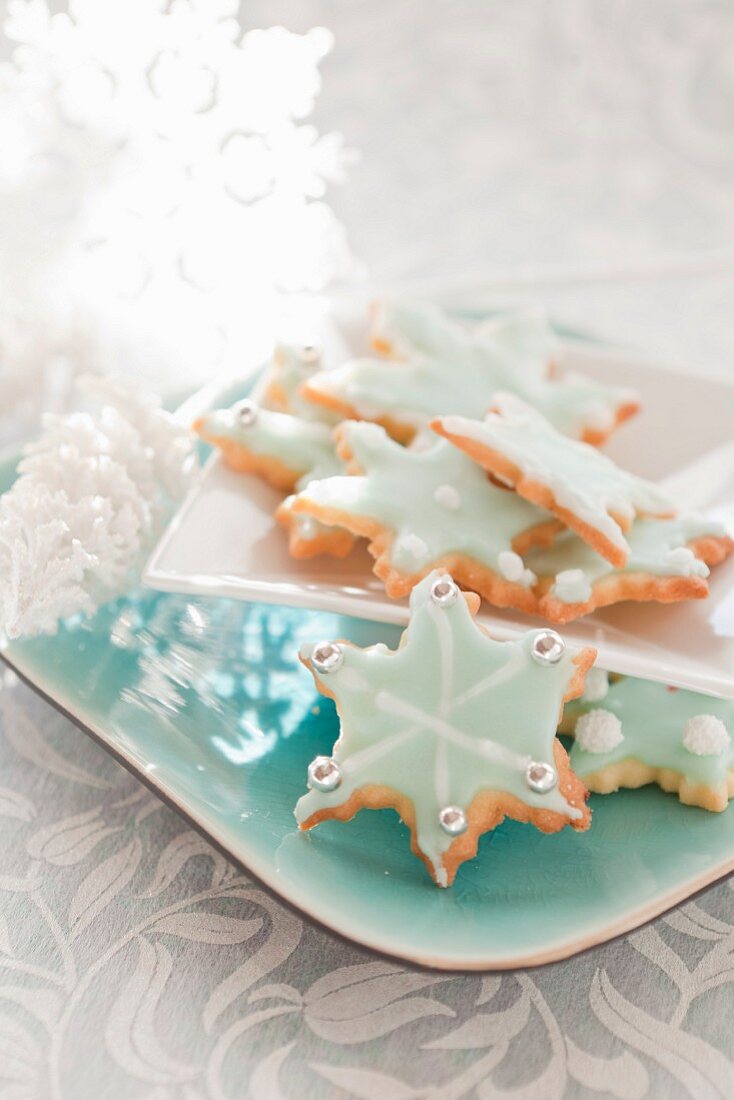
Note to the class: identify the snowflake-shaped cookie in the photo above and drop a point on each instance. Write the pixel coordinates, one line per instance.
(429, 508)
(287, 452)
(582, 486)
(281, 448)
(279, 387)
(454, 730)
(446, 367)
(644, 732)
(669, 560)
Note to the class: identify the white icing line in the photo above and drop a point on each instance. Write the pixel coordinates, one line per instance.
(516, 662)
(484, 747)
(445, 644)
(374, 752)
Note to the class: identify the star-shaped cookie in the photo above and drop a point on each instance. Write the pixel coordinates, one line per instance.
(669, 560)
(643, 732)
(428, 508)
(453, 729)
(279, 387)
(579, 484)
(287, 451)
(446, 367)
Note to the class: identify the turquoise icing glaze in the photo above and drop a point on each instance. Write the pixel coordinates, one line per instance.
(653, 720)
(435, 501)
(656, 547)
(451, 713)
(450, 368)
(585, 482)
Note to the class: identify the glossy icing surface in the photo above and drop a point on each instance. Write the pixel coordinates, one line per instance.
(306, 447)
(434, 501)
(653, 720)
(449, 368)
(279, 388)
(449, 714)
(583, 481)
(654, 548)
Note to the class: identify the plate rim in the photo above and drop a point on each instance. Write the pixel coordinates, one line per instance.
(562, 949)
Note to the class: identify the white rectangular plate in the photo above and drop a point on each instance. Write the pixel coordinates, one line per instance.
(224, 541)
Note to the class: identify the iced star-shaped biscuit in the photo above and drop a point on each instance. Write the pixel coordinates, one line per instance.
(431, 508)
(446, 367)
(282, 449)
(669, 560)
(279, 388)
(643, 732)
(454, 730)
(287, 452)
(579, 484)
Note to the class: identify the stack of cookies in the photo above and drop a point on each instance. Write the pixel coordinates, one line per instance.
(471, 465)
(468, 450)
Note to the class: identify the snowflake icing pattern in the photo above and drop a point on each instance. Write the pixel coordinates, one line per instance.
(450, 716)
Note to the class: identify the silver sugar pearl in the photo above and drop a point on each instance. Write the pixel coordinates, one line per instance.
(324, 774)
(540, 777)
(327, 656)
(309, 355)
(246, 413)
(548, 647)
(444, 592)
(452, 820)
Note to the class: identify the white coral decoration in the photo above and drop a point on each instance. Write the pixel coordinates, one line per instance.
(159, 191)
(92, 497)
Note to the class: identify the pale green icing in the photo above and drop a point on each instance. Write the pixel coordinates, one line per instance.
(288, 370)
(654, 548)
(450, 368)
(434, 501)
(524, 335)
(583, 481)
(305, 447)
(449, 714)
(653, 719)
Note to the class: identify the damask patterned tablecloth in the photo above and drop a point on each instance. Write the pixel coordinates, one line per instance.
(584, 149)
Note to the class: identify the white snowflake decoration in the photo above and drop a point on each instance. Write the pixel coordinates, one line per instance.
(158, 186)
(92, 498)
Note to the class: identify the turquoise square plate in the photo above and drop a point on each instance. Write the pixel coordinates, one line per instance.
(205, 700)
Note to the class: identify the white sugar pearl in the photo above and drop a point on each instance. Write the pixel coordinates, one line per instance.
(572, 586)
(705, 735)
(596, 685)
(448, 497)
(599, 731)
(511, 565)
(680, 555)
(414, 546)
